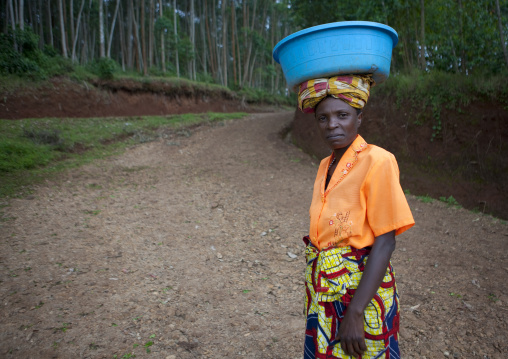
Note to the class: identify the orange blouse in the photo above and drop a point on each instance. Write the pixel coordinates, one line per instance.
(362, 201)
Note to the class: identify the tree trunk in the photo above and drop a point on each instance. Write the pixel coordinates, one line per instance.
(7, 16)
(176, 40)
(89, 35)
(233, 49)
(462, 44)
(50, 25)
(110, 40)
(501, 35)
(66, 27)
(211, 49)
(151, 39)
(71, 13)
(84, 43)
(224, 45)
(21, 15)
(16, 13)
(130, 12)
(238, 56)
(101, 29)
(137, 41)
(13, 18)
(123, 49)
(91, 51)
(163, 50)
(203, 38)
(422, 36)
(272, 44)
(193, 40)
(75, 40)
(30, 14)
(62, 29)
(246, 66)
(41, 27)
(251, 71)
(143, 38)
(454, 54)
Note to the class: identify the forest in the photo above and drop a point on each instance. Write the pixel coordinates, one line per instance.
(229, 42)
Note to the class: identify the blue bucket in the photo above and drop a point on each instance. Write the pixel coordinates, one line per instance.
(338, 48)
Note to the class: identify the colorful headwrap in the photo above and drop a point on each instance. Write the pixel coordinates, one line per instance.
(353, 89)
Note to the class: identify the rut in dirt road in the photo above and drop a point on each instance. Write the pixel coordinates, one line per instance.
(190, 247)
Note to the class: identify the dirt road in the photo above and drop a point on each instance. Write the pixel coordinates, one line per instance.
(190, 247)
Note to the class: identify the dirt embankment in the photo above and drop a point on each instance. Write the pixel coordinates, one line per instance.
(466, 159)
(65, 98)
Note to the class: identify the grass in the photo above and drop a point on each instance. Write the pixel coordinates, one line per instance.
(34, 149)
(425, 199)
(450, 201)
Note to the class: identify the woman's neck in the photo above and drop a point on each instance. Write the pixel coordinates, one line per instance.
(339, 152)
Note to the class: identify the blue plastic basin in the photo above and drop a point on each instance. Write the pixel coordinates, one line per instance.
(338, 48)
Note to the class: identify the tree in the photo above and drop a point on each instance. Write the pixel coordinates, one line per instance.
(62, 29)
(75, 40)
(192, 31)
(422, 37)
(163, 50)
(176, 40)
(21, 20)
(501, 30)
(224, 45)
(110, 40)
(143, 38)
(101, 29)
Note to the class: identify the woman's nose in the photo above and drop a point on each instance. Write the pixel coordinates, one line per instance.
(333, 122)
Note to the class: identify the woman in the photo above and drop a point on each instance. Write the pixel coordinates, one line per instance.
(357, 209)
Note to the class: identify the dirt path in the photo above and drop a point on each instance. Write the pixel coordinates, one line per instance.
(183, 247)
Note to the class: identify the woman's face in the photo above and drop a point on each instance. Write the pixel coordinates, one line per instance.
(338, 122)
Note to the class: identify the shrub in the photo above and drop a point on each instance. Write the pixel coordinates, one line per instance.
(19, 53)
(105, 68)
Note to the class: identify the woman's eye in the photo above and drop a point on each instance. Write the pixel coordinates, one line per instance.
(321, 118)
(342, 115)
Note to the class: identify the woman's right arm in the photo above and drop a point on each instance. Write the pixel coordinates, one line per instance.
(351, 332)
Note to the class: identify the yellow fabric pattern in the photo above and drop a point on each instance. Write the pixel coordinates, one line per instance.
(327, 299)
(353, 89)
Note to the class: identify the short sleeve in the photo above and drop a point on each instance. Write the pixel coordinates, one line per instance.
(387, 207)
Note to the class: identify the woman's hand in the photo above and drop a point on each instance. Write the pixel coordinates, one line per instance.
(351, 334)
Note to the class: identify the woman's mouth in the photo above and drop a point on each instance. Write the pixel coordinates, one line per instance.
(334, 136)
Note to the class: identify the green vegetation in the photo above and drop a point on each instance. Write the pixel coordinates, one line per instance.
(493, 297)
(20, 55)
(32, 149)
(425, 199)
(23, 64)
(455, 295)
(446, 35)
(450, 201)
(438, 89)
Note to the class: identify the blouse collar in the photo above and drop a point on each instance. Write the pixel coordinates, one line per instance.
(345, 165)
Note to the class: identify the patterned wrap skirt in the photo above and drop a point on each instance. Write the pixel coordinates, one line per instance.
(332, 276)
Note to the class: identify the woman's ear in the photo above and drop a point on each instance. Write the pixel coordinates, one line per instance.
(360, 118)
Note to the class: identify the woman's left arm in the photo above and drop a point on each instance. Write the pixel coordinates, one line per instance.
(351, 332)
